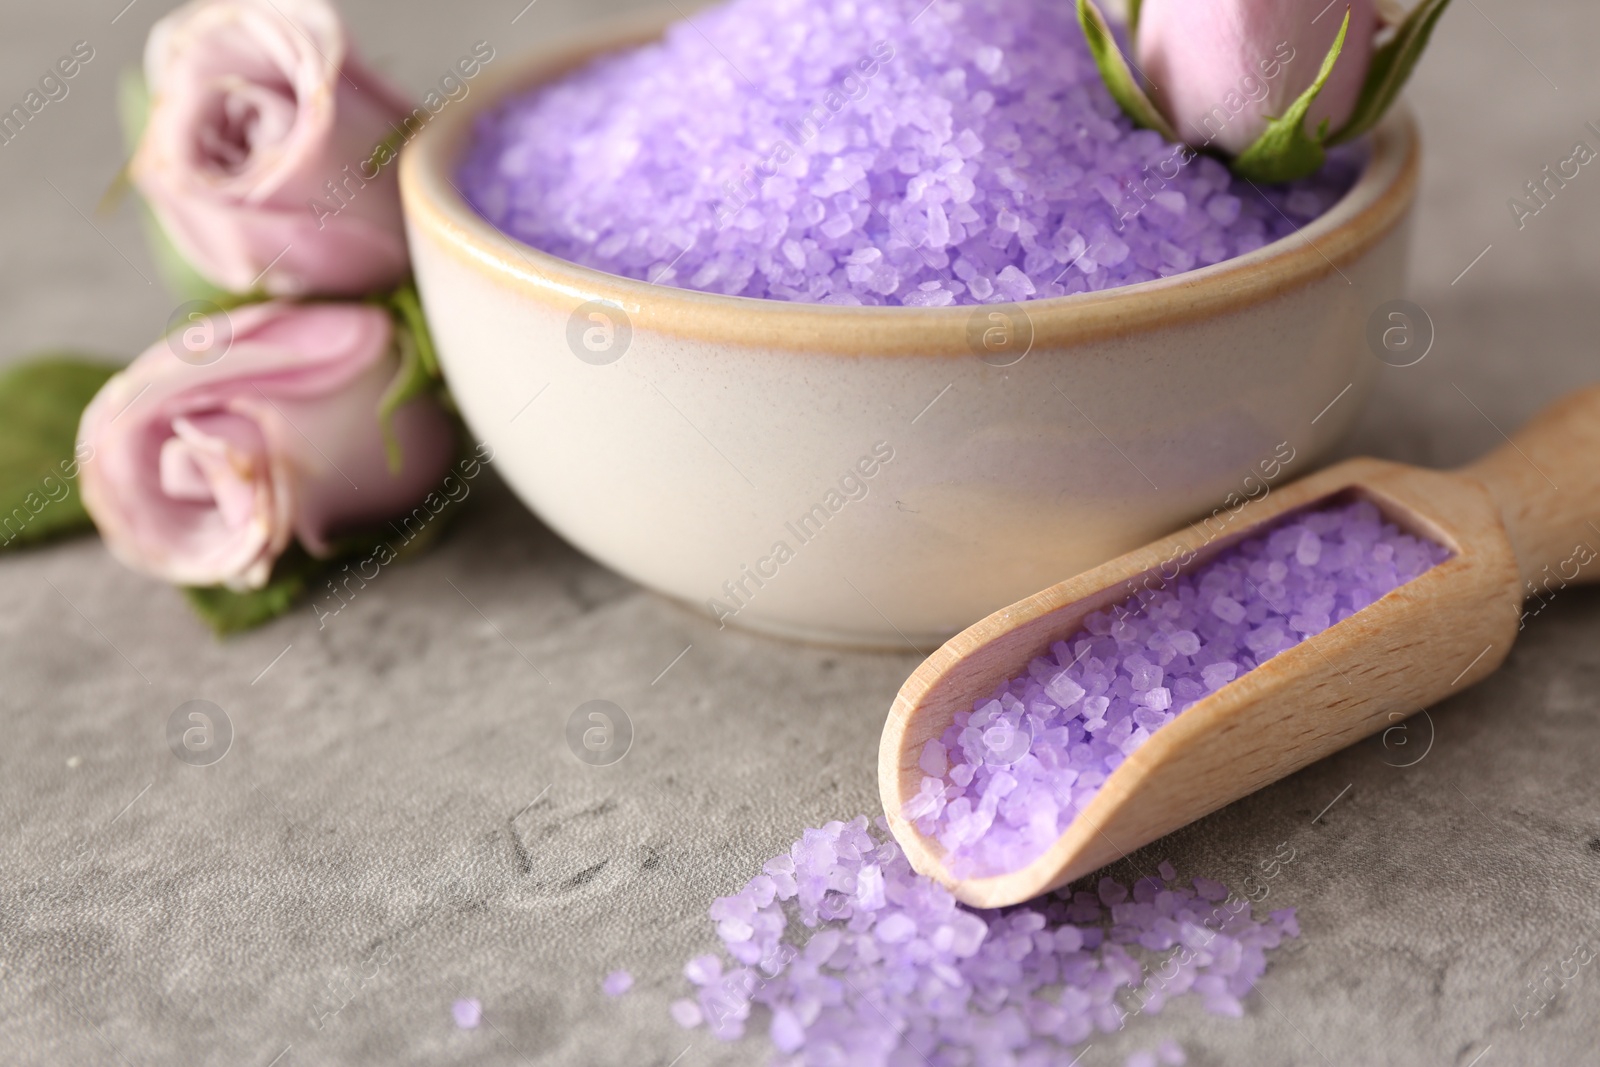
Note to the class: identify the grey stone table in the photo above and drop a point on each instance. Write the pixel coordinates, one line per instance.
(399, 822)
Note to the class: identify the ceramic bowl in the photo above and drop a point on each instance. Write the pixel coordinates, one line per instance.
(886, 476)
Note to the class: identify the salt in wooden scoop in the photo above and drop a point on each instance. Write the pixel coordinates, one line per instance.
(1520, 522)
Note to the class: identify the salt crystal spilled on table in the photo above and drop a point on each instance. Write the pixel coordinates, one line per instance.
(878, 963)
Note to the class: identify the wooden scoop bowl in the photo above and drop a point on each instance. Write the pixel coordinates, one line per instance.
(1525, 520)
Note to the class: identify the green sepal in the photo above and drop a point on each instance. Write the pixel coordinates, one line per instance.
(1120, 82)
(133, 106)
(177, 274)
(408, 307)
(387, 150)
(1284, 151)
(297, 573)
(41, 403)
(228, 611)
(419, 372)
(1391, 66)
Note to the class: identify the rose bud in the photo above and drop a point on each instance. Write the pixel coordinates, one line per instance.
(1220, 70)
(205, 469)
(257, 108)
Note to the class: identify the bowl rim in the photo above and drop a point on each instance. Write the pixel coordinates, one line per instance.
(436, 210)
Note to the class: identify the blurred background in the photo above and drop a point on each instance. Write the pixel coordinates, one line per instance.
(399, 780)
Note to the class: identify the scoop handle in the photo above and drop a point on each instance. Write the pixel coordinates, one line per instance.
(1546, 482)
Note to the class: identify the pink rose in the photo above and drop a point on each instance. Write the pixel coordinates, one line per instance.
(257, 107)
(202, 474)
(1220, 69)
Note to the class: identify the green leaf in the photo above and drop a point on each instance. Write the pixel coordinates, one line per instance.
(41, 402)
(296, 573)
(419, 366)
(1124, 88)
(1391, 66)
(1284, 151)
(227, 611)
(1133, 19)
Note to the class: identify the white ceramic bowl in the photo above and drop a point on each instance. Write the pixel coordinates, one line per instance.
(700, 462)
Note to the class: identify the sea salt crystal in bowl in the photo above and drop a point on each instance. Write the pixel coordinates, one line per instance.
(881, 475)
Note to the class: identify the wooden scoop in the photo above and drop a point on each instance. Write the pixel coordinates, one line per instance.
(1524, 520)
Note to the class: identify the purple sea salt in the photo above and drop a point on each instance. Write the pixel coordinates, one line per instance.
(853, 958)
(1021, 765)
(867, 152)
(467, 1013)
(1168, 1054)
(686, 1013)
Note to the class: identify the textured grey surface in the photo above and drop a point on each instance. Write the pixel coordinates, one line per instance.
(399, 822)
